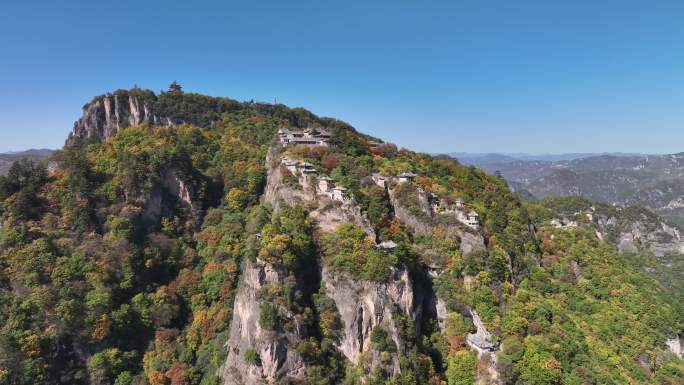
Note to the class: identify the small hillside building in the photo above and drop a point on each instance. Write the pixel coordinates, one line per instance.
(380, 180)
(406, 177)
(325, 184)
(292, 166)
(473, 219)
(308, 136)
(340, 194)
(309, 172)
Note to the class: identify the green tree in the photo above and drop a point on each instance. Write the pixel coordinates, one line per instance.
(461, 368)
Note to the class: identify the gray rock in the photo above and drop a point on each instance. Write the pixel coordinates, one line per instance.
(172, 184)
(329, 213)
(364, 305)
(278, 358)
(470, 239)
(674, 345)
(106, 115)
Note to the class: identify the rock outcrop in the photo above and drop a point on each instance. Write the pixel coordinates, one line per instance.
(661, 240)
(277, 358)
(104, 116)
(674, 345)
(156, 203)
(425, 222)
(277, 191)
(329, 213)
(364, 305)
(481, 342)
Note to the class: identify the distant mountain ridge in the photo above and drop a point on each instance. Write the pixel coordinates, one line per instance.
(476, 159)
(6, 159)
(653, 181)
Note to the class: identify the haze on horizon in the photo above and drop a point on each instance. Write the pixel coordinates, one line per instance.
(452, 76)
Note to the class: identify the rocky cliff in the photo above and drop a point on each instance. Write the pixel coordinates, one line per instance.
(421, 219)
(364, 306)
(275, 349)
(105, 115)
(166, 194)
(278, 356)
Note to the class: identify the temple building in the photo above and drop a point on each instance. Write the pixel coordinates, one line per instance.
(175, 88)
(340, 194)
(308, 136)
(380, 180)
(406, 177)
(473, 219)
(325, 184)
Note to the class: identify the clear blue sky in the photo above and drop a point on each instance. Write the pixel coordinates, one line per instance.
(480, 75)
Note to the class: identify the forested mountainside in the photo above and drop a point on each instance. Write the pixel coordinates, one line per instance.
(652, 181)
(638, 233)
(6, 159)
(186, 239)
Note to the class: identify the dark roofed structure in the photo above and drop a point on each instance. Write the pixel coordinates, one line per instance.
(175, 87)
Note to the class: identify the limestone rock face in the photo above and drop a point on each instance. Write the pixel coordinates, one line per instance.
(417, 225)
(481, 343)
(674, 345)
(364, 305)
(640, 231)
(156, 203)
(276, 191)
(278, 358)
(470, 239)
(329, 214)
(660, 240)
(104, 116)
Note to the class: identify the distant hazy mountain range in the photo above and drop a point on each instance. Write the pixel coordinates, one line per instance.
(6, 159)
(476, 159)
(652, 181)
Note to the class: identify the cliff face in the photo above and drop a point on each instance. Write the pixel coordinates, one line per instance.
(660, 241)
(277, 356)
(328, 213)
(657, 244)
(424, 220)
(363, 306)
(105, 115)
(276, 192)
(170, 190)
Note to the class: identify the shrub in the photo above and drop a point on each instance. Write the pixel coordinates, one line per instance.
(382, 340)
(269, 319)
(252, 357)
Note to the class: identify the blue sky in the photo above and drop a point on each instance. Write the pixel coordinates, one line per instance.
(544, 76)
